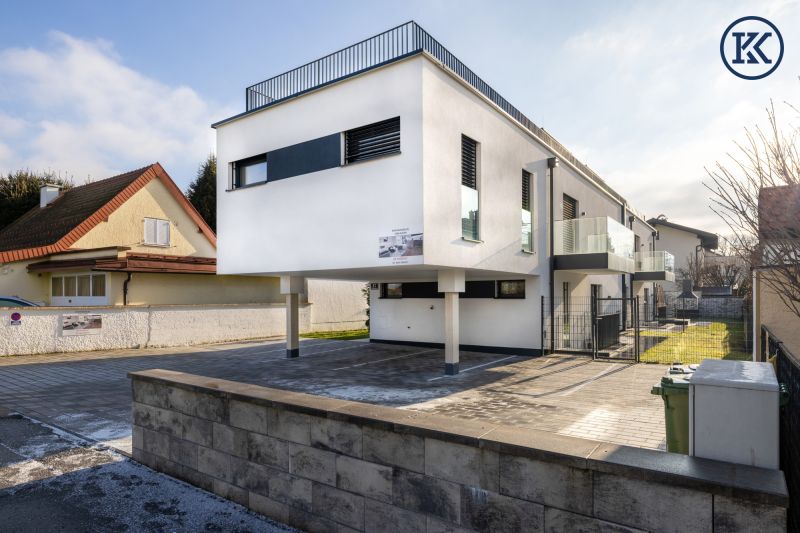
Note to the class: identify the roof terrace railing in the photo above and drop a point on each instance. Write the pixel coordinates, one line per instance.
(392, 45)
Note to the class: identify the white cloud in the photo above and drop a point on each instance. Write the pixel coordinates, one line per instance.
(657, 104)
(87, 114)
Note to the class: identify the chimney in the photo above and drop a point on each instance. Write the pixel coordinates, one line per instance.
(48, 193)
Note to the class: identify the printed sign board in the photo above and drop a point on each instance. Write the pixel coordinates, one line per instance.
(401, 247)
(75, 325)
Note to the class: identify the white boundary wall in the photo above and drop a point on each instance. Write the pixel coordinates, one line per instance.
(154, 326)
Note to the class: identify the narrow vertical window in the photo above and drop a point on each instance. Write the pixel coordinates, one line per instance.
(527, 228)
(469, 189)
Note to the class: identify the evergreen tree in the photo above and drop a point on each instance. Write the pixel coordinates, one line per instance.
(202, 192)
(19, 192)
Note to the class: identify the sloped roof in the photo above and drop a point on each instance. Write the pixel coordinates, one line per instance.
(54, 228)
(708, 240)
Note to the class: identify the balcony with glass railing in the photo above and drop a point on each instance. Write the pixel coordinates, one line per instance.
(654, 266)
(593, 246)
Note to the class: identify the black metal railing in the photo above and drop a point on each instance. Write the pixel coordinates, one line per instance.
(789, 376)
(393, 45)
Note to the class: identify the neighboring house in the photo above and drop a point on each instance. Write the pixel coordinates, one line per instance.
(406, 170)
(779, 251)
(689, 246)
(133, 239)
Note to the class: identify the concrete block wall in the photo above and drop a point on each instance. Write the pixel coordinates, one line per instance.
(156, 326)
(323, 464)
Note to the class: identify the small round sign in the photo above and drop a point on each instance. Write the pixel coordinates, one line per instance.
(16, 316)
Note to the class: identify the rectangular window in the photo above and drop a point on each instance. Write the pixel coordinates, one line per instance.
(527, 227)
(469, 189)
(511, 289)
(250, 171)
(375, 140)
(156, 232)
(57, 286)
(99, 285)
(570, 208)
(69, 286)
(84, 285)
(392, 290)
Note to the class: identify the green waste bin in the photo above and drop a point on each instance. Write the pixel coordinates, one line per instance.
(675, 393)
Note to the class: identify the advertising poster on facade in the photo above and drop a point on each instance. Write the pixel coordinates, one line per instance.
(75, 325)
(401, 247)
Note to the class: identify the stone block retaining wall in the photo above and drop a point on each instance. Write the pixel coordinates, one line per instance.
(323, 464)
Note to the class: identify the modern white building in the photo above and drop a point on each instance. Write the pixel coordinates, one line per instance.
(689, 246)
(393, 163)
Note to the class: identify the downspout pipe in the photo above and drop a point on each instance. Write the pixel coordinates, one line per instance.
(125, 288)
(622, 276)
(552, 163)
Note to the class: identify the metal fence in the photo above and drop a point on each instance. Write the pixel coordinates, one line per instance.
(393, 45)
(789, 375)
(652, 331)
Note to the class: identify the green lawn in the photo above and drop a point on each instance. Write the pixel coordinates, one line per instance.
(339, 335)
(718, 340)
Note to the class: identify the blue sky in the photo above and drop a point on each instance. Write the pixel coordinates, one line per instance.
(636, 89)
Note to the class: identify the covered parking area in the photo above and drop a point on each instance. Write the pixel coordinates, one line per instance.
(89, 393)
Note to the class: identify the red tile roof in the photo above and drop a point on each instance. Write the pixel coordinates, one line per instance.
(56, 227)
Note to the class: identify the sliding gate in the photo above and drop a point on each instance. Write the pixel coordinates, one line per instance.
(605, 328)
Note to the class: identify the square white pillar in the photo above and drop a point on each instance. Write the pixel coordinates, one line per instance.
(292, 325)
(451, 282)
(451, 333)
(292, 286)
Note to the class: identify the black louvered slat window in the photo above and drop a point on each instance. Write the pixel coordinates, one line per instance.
(469, 162)
(526, 190)
(374, 140)
(570, 208)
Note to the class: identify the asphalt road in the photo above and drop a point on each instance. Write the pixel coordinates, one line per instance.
(51, 481)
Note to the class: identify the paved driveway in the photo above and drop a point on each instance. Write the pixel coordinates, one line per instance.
(89, 393)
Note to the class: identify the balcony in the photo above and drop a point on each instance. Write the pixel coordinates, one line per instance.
(654, 266)
(593, 246)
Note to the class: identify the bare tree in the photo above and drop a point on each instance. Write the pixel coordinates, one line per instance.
(765, 225)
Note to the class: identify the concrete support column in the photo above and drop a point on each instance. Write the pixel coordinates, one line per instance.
(292, 286)
(451, 282)
(451, 333)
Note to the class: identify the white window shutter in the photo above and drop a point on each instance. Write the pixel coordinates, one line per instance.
(150, 232)
(163, 232)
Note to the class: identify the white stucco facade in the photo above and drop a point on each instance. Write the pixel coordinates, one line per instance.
(327, 224)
